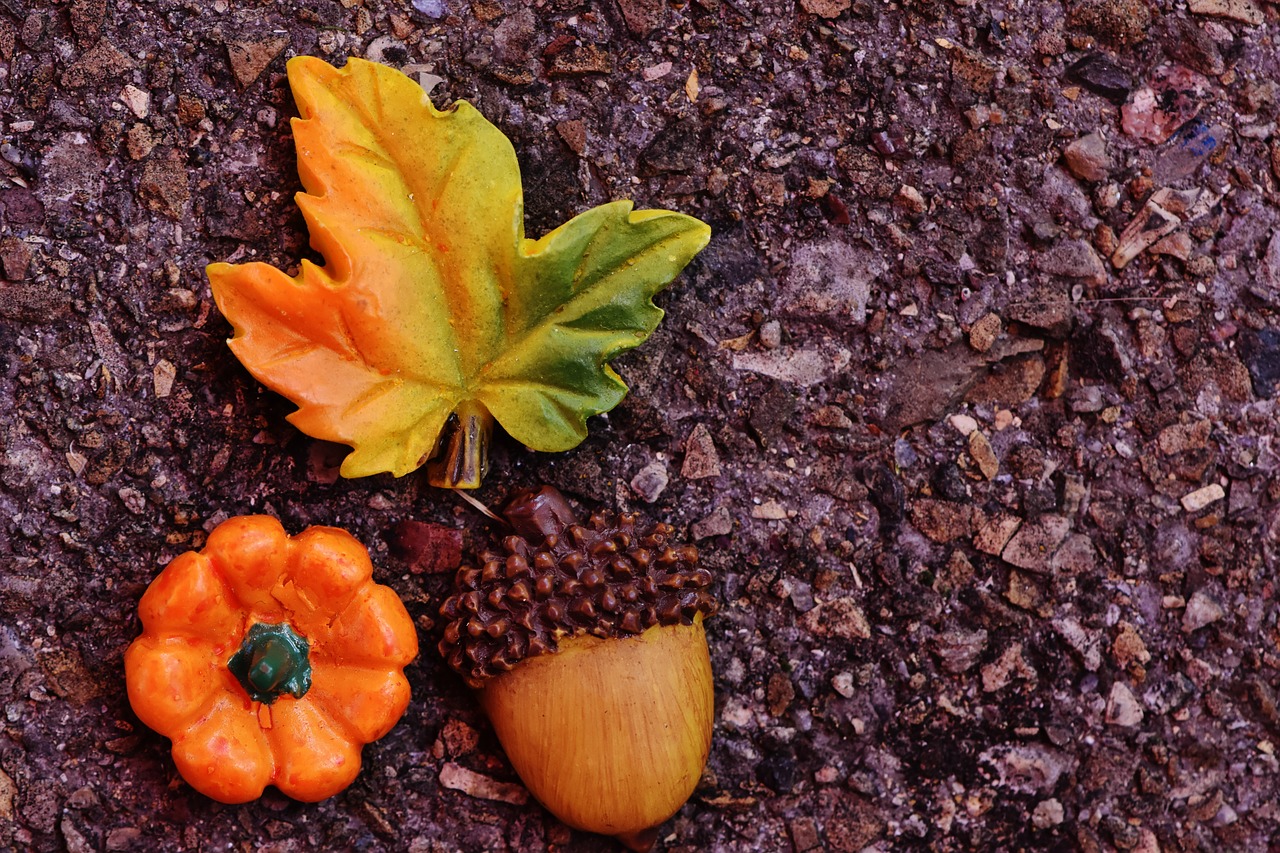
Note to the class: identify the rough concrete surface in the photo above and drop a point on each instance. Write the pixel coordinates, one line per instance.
(970, 402)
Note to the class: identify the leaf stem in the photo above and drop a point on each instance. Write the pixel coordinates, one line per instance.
(463, 459)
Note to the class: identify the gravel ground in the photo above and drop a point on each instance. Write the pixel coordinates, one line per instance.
(971, 404)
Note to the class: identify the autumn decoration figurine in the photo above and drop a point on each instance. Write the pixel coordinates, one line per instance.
(434, 316)
(270, 660)
(586, 647)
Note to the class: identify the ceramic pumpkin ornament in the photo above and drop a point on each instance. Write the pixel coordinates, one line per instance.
(270, 660)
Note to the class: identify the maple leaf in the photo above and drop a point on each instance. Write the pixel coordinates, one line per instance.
(433, 314)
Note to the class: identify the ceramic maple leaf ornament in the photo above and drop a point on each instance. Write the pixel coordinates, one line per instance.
(434, 315)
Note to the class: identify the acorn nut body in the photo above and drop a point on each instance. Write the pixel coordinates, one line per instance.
(587, 650)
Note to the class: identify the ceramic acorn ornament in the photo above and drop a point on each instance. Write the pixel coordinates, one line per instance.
(434, 316)
(586, 648)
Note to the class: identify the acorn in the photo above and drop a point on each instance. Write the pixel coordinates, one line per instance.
(586, 648)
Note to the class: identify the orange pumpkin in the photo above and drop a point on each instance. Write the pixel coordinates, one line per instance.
(270, 660)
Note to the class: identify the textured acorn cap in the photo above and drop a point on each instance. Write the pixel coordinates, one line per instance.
(555, 579)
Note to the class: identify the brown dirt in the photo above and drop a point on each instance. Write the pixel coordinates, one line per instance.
(995, 521)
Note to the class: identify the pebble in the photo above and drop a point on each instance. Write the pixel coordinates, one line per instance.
(983, 335)
(964, 424)
(842, 683)
(137, 100)
(983, 454)
(1101, 75)
(426, 547)
(650, 481)
(1088, 159)
(249, 58)
(1033, 546)
(1123, 708)
(718, 523)
(959, 650)
(1128, 647)
(700, 457)
(770, 334)
(841, 618)
(1172, 98)
(1047, 813)
(1201, 498)
(1245, 11)
(770, 510)
(832, 279)
(1202, 609)
(1189, 146)
(1179, 438)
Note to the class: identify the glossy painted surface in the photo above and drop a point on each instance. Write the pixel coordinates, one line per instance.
(432, 300)
(195, 616)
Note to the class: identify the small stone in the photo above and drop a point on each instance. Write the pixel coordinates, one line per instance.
(841, 618)
(842, 683)
(1177, 245)
(643, 16)
(1172, 98)
(942, 521)
(832, 417)
(832, 279)
(456, 739)
(1101, 75)
(574, 134)
(995, 533)
(770, 189)
(139, 141)
(1122, 707)
(1245, 11)
(964, 424)
(1117, 22)
(164, 186)
(718, 523)
(779, 694)
(998, 675)
(909, 200)
(1088, 159)
(8, 796)
(650, 482)
(770, 510)
(826, 8)
(804, 830)
(1128, 647)
(700, 457)
(162, 377)
(984, 333)
(1201, 498)
(458, 778)
(1015, 382)
(1047, 813)
(1181, 438)
(250, 57)
(770, 334)
(133, 500)
(1201, 610)
(959, 650)
(137, 100)
(426, 547)
(1073, 259)
(1033, 546)
(983, 454)
(123, 838)
(15, 258)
